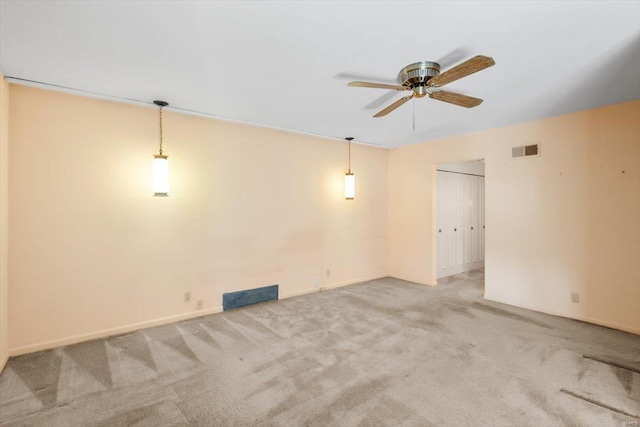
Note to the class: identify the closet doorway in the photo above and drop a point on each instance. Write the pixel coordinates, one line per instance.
(460, 217)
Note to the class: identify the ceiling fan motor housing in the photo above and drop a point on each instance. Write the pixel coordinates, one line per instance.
(417, 75)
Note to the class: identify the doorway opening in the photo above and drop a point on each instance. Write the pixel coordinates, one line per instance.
(460, 220)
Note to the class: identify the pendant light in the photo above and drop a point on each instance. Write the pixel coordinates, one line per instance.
(349, 178)
(160, 167)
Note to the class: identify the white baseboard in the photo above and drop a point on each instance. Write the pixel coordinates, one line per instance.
(3, 361)
(415, 280)
(110, 332)
(598, 322)
(157, 322)
(298, 293)
(331, 286)
(191, 315)
(352, 282)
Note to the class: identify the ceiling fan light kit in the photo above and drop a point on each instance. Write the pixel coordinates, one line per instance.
(417, 75)
(424, 78)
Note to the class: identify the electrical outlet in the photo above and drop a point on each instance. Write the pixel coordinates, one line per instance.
(199, 304)
(187, 296)
(316, 281)
(575, 297)
(328, 272)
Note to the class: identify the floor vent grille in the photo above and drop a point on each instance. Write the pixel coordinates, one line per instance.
(250, 296)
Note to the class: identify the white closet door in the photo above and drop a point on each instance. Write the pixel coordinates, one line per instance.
(467, 210)
(444, 236)
(458, 223)
(481, 227)
(460, 213)
(440, 199)
(475, 211)
(450, 245)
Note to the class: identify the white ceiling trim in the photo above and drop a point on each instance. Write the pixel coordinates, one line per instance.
(150, 104)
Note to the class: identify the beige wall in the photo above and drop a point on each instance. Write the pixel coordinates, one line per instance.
(4, 220)
(566, 221)
(93, 253)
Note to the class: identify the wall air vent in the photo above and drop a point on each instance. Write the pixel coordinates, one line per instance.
(525, 151)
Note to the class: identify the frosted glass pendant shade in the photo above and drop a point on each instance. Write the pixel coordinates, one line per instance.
(349, 186)
(160, 180)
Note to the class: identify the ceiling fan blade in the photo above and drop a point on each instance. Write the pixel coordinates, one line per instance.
(473, 65)
(456, 98)
(378, 85)
(393, 106)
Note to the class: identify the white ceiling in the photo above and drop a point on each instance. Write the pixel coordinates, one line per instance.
(287, 64)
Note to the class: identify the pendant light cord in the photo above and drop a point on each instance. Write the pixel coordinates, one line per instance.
(161, 131)
(349, 150)
(349, 156)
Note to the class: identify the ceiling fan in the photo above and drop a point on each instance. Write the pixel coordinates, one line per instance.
(424, 78)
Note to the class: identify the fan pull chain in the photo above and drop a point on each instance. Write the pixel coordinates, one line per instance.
(414, 114)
